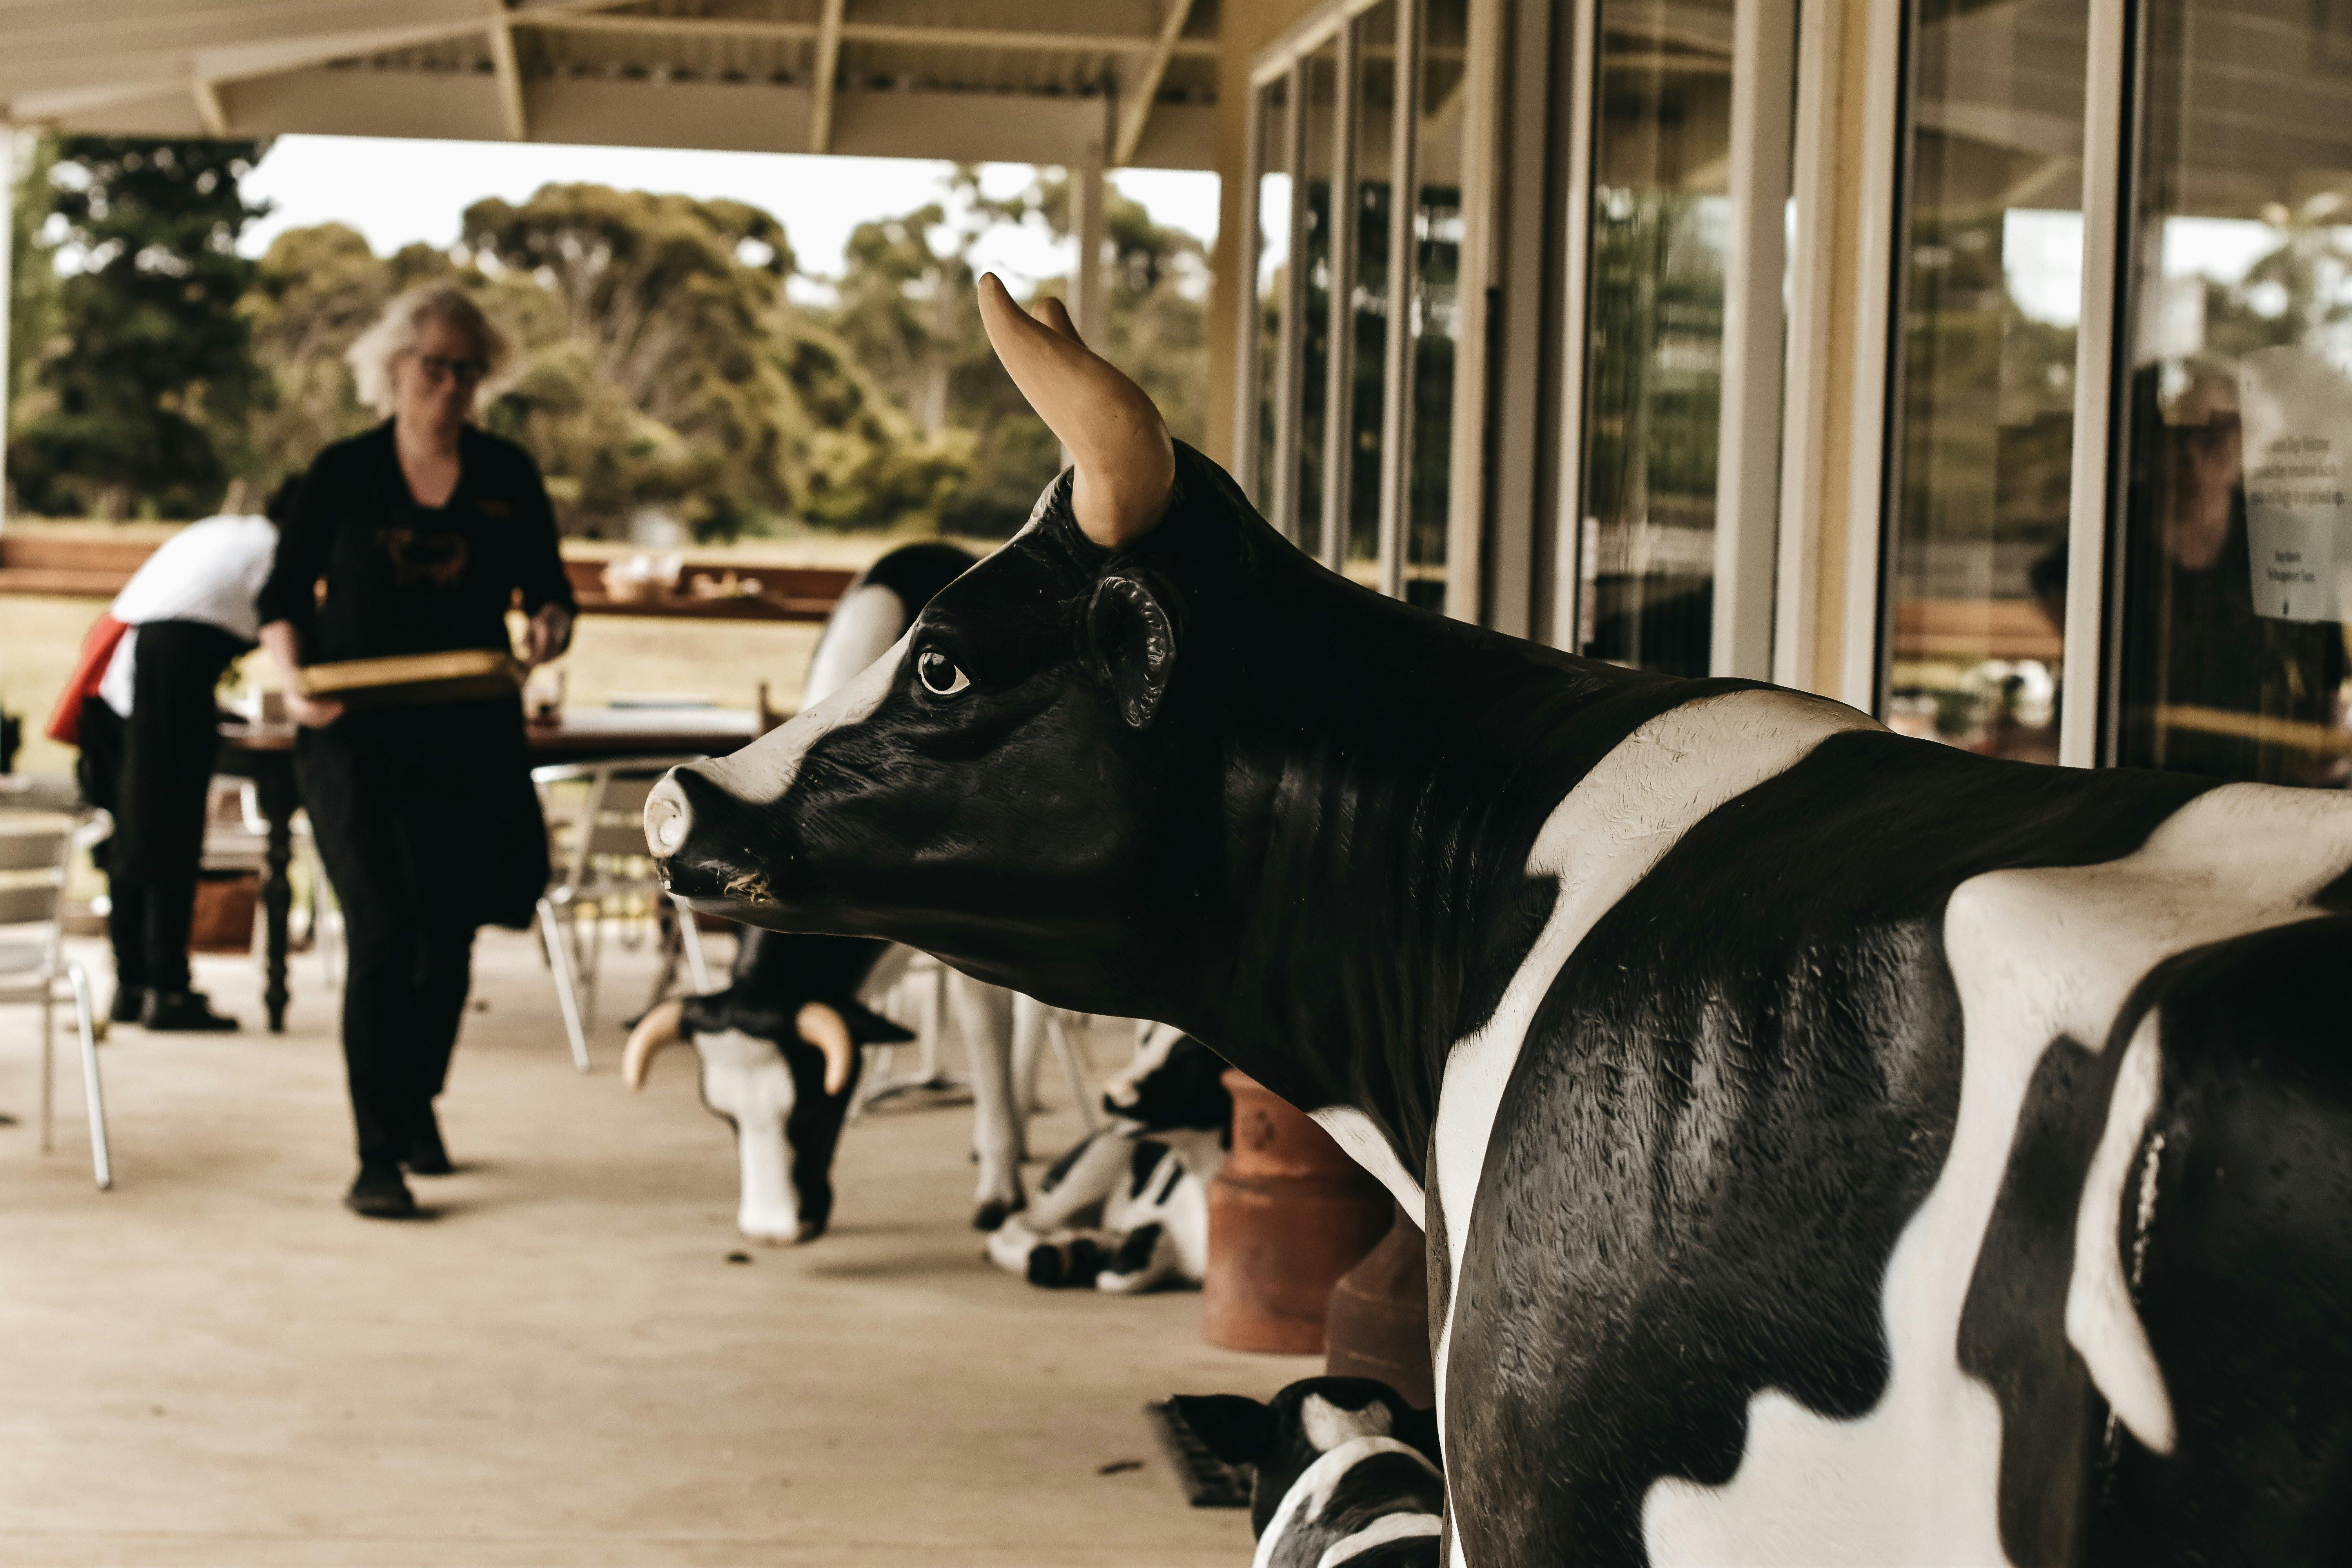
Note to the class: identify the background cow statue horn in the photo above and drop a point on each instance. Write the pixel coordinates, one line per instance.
(1125, 464)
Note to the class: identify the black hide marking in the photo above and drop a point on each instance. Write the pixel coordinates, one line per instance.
(1741, 1088)
(2245, 1272)
(2013, 1325)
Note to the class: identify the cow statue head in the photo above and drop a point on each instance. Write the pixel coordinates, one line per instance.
(779, 1050)
(1133, 762)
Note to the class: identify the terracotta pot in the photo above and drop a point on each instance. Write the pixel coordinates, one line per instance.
(1288, 1215)
(1379, 1325)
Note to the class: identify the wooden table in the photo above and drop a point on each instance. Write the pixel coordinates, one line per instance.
(262, 751)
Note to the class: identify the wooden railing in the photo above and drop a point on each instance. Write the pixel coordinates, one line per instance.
(98, 568)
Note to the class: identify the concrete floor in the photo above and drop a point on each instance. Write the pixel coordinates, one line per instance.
(215, 1365)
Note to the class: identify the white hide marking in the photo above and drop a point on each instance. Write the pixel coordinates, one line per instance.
(1312, 1490)
(2035, 954)
(1380, 1533)
(1327, 1425)
(745, 1078)
(2101, 1323)
(1601, 838)
(761, 772)
(860, 631)
(1354, 1133)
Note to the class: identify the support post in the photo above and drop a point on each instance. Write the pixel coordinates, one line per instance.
(1340, 333)
(7, 292)
(1089, 307)
(1747, 460)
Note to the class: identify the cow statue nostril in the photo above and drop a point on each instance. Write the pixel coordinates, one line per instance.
(668, 818)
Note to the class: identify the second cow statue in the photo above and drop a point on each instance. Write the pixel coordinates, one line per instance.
(1833, 1147)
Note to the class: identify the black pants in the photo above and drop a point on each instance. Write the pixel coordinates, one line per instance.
(154, 772)
(417, 812)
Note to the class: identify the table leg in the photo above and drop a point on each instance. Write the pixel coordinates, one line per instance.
(275, 785)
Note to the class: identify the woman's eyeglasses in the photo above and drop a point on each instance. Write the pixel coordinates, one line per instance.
(465, 372)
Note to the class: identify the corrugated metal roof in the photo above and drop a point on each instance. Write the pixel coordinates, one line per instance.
(251, 66)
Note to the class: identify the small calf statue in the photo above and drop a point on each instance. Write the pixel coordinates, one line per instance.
(1833, 1147)
(1127, 1209)
(1344, 1474)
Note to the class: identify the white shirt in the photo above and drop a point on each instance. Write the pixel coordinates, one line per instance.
(210, 571)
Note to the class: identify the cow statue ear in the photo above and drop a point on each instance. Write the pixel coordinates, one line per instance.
(1237, 1430)
(1133, 635)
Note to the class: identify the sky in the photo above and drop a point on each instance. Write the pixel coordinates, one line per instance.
(397, 190)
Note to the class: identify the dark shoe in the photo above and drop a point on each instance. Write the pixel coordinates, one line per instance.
(426, 1156)
(379, 1194)
(128, 1001)
(190, 1010)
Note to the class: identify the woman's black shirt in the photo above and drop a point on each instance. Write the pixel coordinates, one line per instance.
(404, 578)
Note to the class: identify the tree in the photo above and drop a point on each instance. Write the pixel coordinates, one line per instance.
(139, 394)
(905, 305)
(666, 366)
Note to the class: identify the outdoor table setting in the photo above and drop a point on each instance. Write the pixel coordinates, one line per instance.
(262, 749)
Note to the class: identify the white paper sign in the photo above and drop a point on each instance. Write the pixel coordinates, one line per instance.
(2297, 415)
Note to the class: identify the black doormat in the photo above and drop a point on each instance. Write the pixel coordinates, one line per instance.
(1205, 1480)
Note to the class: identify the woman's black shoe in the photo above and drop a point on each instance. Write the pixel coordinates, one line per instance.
(190, 1010)
(379, 1194)
(128, 1001)
(426, 1156)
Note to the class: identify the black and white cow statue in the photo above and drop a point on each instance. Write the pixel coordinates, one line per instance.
(1342, 1471)
(1127, 1209)
(1833, 1147)
(779, 1047)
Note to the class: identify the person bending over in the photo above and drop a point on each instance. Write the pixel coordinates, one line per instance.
(423, 531)
(141, 709)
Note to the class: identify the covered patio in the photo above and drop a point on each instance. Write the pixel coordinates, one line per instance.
(210, 1365)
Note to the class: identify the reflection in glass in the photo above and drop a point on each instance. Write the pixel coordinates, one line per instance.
(1654, 386)
(1436, 320)
(1992, 262)
(2237, 539)
(1272, 265)
(1375, 132)
(1314, 302)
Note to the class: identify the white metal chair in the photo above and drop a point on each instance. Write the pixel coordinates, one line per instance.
(35, 849)
(603, 867)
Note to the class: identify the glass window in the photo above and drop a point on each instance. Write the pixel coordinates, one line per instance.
(1653, 379)
(2237, 413)
(1322, 92)
(1436, 320)
(1368, 310)
(1990, 257)
(1272, 265)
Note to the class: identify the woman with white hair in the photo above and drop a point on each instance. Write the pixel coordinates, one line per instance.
(423, 531)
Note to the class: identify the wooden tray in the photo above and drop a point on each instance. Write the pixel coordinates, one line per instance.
(462, 675)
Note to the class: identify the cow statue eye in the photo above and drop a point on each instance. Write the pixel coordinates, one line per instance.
(938, 674)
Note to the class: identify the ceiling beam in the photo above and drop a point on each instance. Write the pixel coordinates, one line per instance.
(509, 73)
(1145, 90)
(827, 67)
(640, 26)
(210, 114)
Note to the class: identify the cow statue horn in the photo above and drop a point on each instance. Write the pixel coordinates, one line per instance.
(656, 1032)
(828, 1031)
(1126, 466)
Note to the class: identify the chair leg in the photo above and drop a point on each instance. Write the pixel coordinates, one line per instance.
(691, 934)
(48, 1070)
(101, 1163)
(550, 930)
